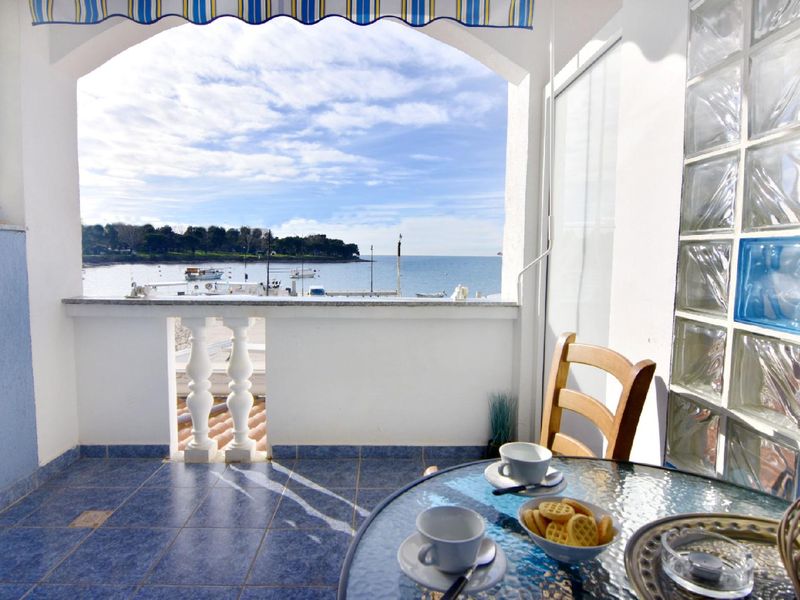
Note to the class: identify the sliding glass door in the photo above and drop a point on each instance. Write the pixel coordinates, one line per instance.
(584, 185)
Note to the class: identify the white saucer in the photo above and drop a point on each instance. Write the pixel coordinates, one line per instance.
(493, 476)
(434, 579)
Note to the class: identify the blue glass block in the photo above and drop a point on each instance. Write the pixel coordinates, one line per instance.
(768, 289)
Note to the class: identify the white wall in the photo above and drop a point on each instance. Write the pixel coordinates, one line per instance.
(402, 379)
(38, 158)
(649, 175)
(12, 208)
(39, 190)
(126, 380)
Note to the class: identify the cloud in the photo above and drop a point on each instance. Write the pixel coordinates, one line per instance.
(473, 106)
(441, 235)
(343, 117)
(332, 124)
(422, 156)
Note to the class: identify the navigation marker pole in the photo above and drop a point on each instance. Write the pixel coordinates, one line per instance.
(399, 242)
(269, 252)
(371, 266)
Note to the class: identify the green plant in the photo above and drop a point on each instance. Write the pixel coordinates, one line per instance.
(502, 417)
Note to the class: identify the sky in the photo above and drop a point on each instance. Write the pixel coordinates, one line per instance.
(360, 133)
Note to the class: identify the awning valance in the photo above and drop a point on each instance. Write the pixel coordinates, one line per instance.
(473, 13)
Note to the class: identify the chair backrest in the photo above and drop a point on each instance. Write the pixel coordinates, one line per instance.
(618, 429)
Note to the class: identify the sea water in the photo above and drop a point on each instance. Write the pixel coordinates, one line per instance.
(418, 274)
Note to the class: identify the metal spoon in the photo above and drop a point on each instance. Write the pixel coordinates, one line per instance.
(551, 480)
(486, 554)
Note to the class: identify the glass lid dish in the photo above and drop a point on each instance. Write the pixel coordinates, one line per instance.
(707, 563)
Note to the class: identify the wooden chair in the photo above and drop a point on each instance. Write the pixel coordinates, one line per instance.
(620, 428)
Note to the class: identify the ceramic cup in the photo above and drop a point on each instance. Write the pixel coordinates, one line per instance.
(524, 462)
(451, 536)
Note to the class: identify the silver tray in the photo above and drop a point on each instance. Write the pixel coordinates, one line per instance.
(643, 555)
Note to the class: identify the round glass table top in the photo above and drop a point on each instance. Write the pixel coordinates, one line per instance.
(635, 494)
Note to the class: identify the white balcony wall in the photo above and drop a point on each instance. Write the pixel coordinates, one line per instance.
(396, 374)
(126, 380)
(401, 376)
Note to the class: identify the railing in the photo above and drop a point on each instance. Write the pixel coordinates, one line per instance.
(338, 372)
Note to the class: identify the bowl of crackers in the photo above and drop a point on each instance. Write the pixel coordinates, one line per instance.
(568, 530)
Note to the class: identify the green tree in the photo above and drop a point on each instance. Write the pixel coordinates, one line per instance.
(130, 236)
(232, 240)
(156, 242)
(194, 238)
(93, 239)
(215, 238)
(99, 239)
(112, 237)
(170, 238)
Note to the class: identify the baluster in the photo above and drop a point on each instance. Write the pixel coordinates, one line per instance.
(240, 400)
(200, 400)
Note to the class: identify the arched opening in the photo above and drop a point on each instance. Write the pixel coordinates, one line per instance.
(230, 125)
(354, 133)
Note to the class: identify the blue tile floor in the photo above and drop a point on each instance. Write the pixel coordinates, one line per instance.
(276, 530)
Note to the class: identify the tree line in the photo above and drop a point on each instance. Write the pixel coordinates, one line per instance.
(137, 240)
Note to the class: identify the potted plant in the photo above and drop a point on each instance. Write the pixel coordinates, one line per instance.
(502, 419)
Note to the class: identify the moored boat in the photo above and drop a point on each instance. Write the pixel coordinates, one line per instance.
(303, 273)
(197, 273)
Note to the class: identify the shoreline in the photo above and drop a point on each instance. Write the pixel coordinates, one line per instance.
(206, 260)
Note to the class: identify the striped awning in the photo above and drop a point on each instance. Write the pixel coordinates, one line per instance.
(473, 13)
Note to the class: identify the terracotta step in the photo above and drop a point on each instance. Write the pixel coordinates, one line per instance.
(221, 424)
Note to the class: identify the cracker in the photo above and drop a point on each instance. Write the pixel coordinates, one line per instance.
(530, 522)
(556, 532)
(556, 511)
(605, 530)
(541, 522)
(581, 531)
(580, 509)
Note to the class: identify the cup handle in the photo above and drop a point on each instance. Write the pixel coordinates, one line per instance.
(427, 555)
(503, 468)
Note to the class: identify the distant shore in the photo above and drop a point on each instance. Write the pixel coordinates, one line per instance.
(100, 260)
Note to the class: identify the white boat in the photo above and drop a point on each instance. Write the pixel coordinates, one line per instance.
(196, 274)
(432, 295)
(303, 273)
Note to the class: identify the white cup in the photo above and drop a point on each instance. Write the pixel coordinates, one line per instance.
(452, 536)
(524, 462)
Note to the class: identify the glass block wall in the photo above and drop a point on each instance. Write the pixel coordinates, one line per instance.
(734, 408)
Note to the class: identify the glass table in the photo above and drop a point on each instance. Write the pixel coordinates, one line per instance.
(635, 494)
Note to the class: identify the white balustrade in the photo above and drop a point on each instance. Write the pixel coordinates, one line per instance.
(452, 356)
(201, 448)
(240, 400)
